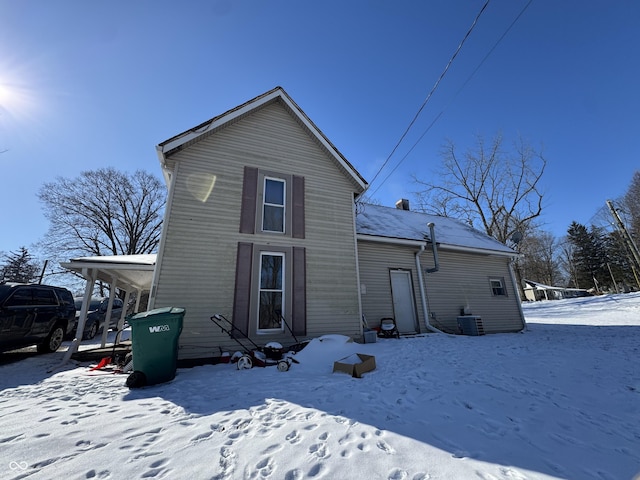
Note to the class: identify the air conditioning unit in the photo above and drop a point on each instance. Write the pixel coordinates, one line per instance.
(471, 325)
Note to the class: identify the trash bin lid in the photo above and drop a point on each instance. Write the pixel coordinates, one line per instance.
(159, 311)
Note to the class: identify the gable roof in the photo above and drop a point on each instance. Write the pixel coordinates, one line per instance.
(393, 225)
(188, 137)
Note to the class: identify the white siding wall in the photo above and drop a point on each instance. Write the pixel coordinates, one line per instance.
(463, 280)
(199, 258)
(376, 259)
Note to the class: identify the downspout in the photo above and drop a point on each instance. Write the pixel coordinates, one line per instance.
(517, 292)
(436, 267)
(434, 248)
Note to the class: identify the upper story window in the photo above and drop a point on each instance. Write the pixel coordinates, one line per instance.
(273, 212)
(272, 203)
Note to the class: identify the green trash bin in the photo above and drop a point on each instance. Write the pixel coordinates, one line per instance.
(154, 344)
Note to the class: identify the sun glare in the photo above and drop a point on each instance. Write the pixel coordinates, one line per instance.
(5, 96)
(19, 106)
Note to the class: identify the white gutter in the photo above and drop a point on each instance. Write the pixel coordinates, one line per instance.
(161, 246)
(517, 292)
(358, 285)
(392, 240)
(417, 243)
(423, 297)
(434, 247)
(482, 251)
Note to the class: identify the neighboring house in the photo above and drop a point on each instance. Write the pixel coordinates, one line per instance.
(402, 276)
(263, 225)
(534, 291)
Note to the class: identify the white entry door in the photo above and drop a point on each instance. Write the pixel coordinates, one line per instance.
(404, 306)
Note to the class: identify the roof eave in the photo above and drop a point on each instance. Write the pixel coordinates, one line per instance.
(442, 246)
(175, 143)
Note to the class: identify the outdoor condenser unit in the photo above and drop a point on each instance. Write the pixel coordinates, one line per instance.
(471, 325)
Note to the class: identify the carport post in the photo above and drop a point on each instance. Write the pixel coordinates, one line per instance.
(107, 315)
(123, 314)
(90, 275)
(138, 295)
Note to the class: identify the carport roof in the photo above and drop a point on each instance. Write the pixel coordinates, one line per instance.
(131, 270)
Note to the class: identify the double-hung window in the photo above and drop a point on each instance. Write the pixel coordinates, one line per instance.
(273, 213)
(272, 289)
(497, 287)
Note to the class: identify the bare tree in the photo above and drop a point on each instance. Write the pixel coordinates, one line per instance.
(539, 262)
(567, 263)
(490, 188)
(103, 212)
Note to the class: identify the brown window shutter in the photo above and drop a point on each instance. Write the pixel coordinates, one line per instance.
(242, 292)
(297, 207)
(248, 207)
(299, 292)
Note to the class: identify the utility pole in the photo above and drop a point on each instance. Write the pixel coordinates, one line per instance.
(625, 234)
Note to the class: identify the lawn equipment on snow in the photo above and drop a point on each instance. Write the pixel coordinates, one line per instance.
(272, 354)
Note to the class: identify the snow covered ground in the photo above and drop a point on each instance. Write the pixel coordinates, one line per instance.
(561, 400)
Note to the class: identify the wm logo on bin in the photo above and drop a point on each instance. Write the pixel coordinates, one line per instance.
(159, 328)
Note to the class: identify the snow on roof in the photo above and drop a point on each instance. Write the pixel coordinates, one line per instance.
(134, 270)
(397, 224)
(541, 286)
(141, 259)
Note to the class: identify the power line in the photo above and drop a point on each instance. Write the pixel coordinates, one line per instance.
(433, 89)
(437, 117)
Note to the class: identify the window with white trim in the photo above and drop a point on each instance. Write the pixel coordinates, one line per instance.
(271, 299)
(273, 205)
(497, 287)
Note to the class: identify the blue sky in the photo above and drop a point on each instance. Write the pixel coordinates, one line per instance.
(85, 85)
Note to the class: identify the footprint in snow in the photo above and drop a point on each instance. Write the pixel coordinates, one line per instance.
(318, 471)
(385, 447)
(397, 474)
(295, 474)
(293, 437)
(272, 449)
(264, 468)
(100, 474)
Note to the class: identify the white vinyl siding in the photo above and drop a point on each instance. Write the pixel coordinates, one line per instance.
(198, 263)
(376, 261)
(460, 282)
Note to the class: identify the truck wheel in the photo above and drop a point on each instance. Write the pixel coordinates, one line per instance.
(53, 340)
(91, 333)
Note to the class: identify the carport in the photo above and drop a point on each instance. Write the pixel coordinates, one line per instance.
(131, 273)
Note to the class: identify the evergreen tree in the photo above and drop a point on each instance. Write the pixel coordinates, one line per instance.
(632, 206)
(19, 267)
(620, 263)
(589, 256)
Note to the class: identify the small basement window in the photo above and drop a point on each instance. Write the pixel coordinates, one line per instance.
(497, 287)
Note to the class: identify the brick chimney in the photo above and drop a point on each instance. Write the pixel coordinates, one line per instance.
(402, 204)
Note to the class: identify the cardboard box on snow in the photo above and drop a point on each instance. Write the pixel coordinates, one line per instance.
(355, 365)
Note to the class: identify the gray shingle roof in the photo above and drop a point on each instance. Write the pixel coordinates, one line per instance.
(393, 223)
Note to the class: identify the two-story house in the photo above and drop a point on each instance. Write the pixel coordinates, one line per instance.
(263, 224)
